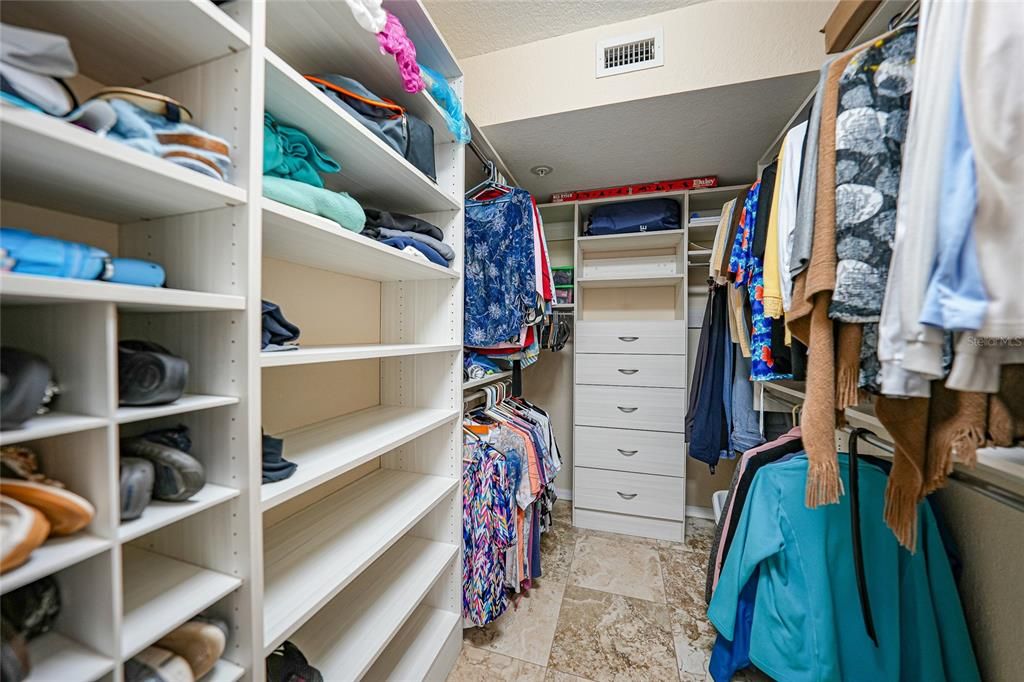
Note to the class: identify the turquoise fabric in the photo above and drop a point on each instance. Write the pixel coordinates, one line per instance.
(807, 623)
(336, 206)
(289, 153)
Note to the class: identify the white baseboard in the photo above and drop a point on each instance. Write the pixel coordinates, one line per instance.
(563, 493)
(701, 512)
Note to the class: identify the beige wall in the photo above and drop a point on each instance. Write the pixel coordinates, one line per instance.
(706, 45)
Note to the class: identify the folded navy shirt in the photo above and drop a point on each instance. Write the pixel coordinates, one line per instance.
(401, 242)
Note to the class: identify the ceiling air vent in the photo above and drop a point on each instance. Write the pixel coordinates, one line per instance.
(630, 53)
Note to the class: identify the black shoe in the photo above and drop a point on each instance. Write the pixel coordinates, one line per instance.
(32, 610)
(287, 664)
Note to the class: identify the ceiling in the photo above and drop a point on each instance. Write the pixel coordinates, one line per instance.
(474, 27)
(718, 131)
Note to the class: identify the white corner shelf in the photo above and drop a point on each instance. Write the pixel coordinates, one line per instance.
(634, 241)
(416, 647)
(189, 402)
(328, 449)
(37, 289)
(300, 237)
(54, 555)
(347, 635)
(564, 306)
(224, 671)
(56, 657)
(485, 381)
(49, 425)
(313, 555)
(158, 513)
(318, 37)
(317, 354)
(630, 282)
(133, 43)
(48, 162)
(161, 593)
(371, 171)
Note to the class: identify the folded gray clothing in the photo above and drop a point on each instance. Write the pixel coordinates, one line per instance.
(447, 252)
(376, 219)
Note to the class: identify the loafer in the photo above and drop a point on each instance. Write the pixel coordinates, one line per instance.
(177, 475)
(201, 642)
(156, 664)
(137, 477)
(22, 529)
(67, 512)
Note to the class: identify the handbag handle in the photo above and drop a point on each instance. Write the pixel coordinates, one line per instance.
(627, 410)
(627, 453)
(625, 496)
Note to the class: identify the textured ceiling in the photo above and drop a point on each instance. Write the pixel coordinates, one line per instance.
(719, 131)
(474, 27)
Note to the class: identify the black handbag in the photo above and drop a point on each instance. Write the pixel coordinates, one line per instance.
(148, 374)
(24, 386)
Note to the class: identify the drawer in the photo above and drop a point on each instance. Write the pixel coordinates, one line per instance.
(612, 369)
(628, 493)
(650, 409)
(642, 452)
(644, 337)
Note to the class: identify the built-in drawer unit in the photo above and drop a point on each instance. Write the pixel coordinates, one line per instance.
(643, 452)
(638, 337)
(613, 369)
(628, 493)
(651, 409)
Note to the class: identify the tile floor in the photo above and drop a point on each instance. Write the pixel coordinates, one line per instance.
(609, 608)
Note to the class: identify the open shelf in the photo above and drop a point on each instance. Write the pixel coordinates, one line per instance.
(161, 593)
(39, 289)
(348, 634)
(316, 354)
(634, 241)
(49, 425)
(133, 43)
(371, 171)
(629, 282)
(485, 381)
(159, 513)
(186, 403)
(54, 555)
(417, 645)
(224, 671)
(50, 163)
(311, 556)
(320, 37)
(56, 657)
(328, 449)
(300, 237)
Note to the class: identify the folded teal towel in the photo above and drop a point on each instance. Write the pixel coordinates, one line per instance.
(336, 206)
(289, 153)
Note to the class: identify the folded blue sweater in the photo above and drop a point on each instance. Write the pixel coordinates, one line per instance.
(336, 206)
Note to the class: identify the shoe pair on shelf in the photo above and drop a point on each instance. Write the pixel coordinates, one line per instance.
(34, 507)
(28, 612)
(157, 465)
(183, 655)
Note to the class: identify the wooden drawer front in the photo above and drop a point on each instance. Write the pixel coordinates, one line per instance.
(643, 452)
(628, 493)
(631, 336)
(667, 371)
(650, 409)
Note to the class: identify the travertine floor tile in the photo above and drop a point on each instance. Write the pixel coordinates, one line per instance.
(618, 566)
(477, 665)
(524, 632)
(683, 572)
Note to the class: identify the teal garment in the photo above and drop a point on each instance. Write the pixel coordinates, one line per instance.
(807, 623)
(336, 206)
(289, 153)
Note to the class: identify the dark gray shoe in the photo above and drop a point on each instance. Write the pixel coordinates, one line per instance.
(178, 475)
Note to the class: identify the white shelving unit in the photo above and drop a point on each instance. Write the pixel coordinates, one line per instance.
(364, 537)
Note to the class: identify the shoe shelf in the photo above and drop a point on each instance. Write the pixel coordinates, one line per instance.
(310, 557)
(186, 403)
(329, 449)
(49, 425)
(52, 556)
(299, 237)
(159, 514)
(317, 354)
(50, 163)
(415, 649)
(161, 593)
(25, 289)
(348, 634)
(224, 671)
(56, 657)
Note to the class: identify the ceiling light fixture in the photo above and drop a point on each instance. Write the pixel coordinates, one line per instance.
(542, 170)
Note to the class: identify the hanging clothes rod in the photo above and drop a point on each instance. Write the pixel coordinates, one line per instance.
(965, 477)
(476, 395)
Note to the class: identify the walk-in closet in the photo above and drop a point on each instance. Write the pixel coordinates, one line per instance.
(475, 341)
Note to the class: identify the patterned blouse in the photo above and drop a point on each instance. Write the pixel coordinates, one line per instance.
(749, 271)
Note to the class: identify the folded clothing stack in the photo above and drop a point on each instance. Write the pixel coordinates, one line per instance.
(292, 164)
(278, 333)
(407, 232)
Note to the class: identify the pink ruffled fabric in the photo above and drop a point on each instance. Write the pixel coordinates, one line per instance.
(394, 41)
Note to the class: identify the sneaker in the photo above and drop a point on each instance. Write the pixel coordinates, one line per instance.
(22, 529)
(137, 476)
(14, 663)
(155, 664)
(287, 664)
(201, 641)
(32, 609)
(67, 512)
(179, 475)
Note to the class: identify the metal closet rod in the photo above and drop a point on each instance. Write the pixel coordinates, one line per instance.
(968, 479)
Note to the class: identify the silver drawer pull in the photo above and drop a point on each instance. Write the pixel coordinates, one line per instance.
(628, 371)
(628, 339)
(627, 410)
(627, 453)
(625, 496)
